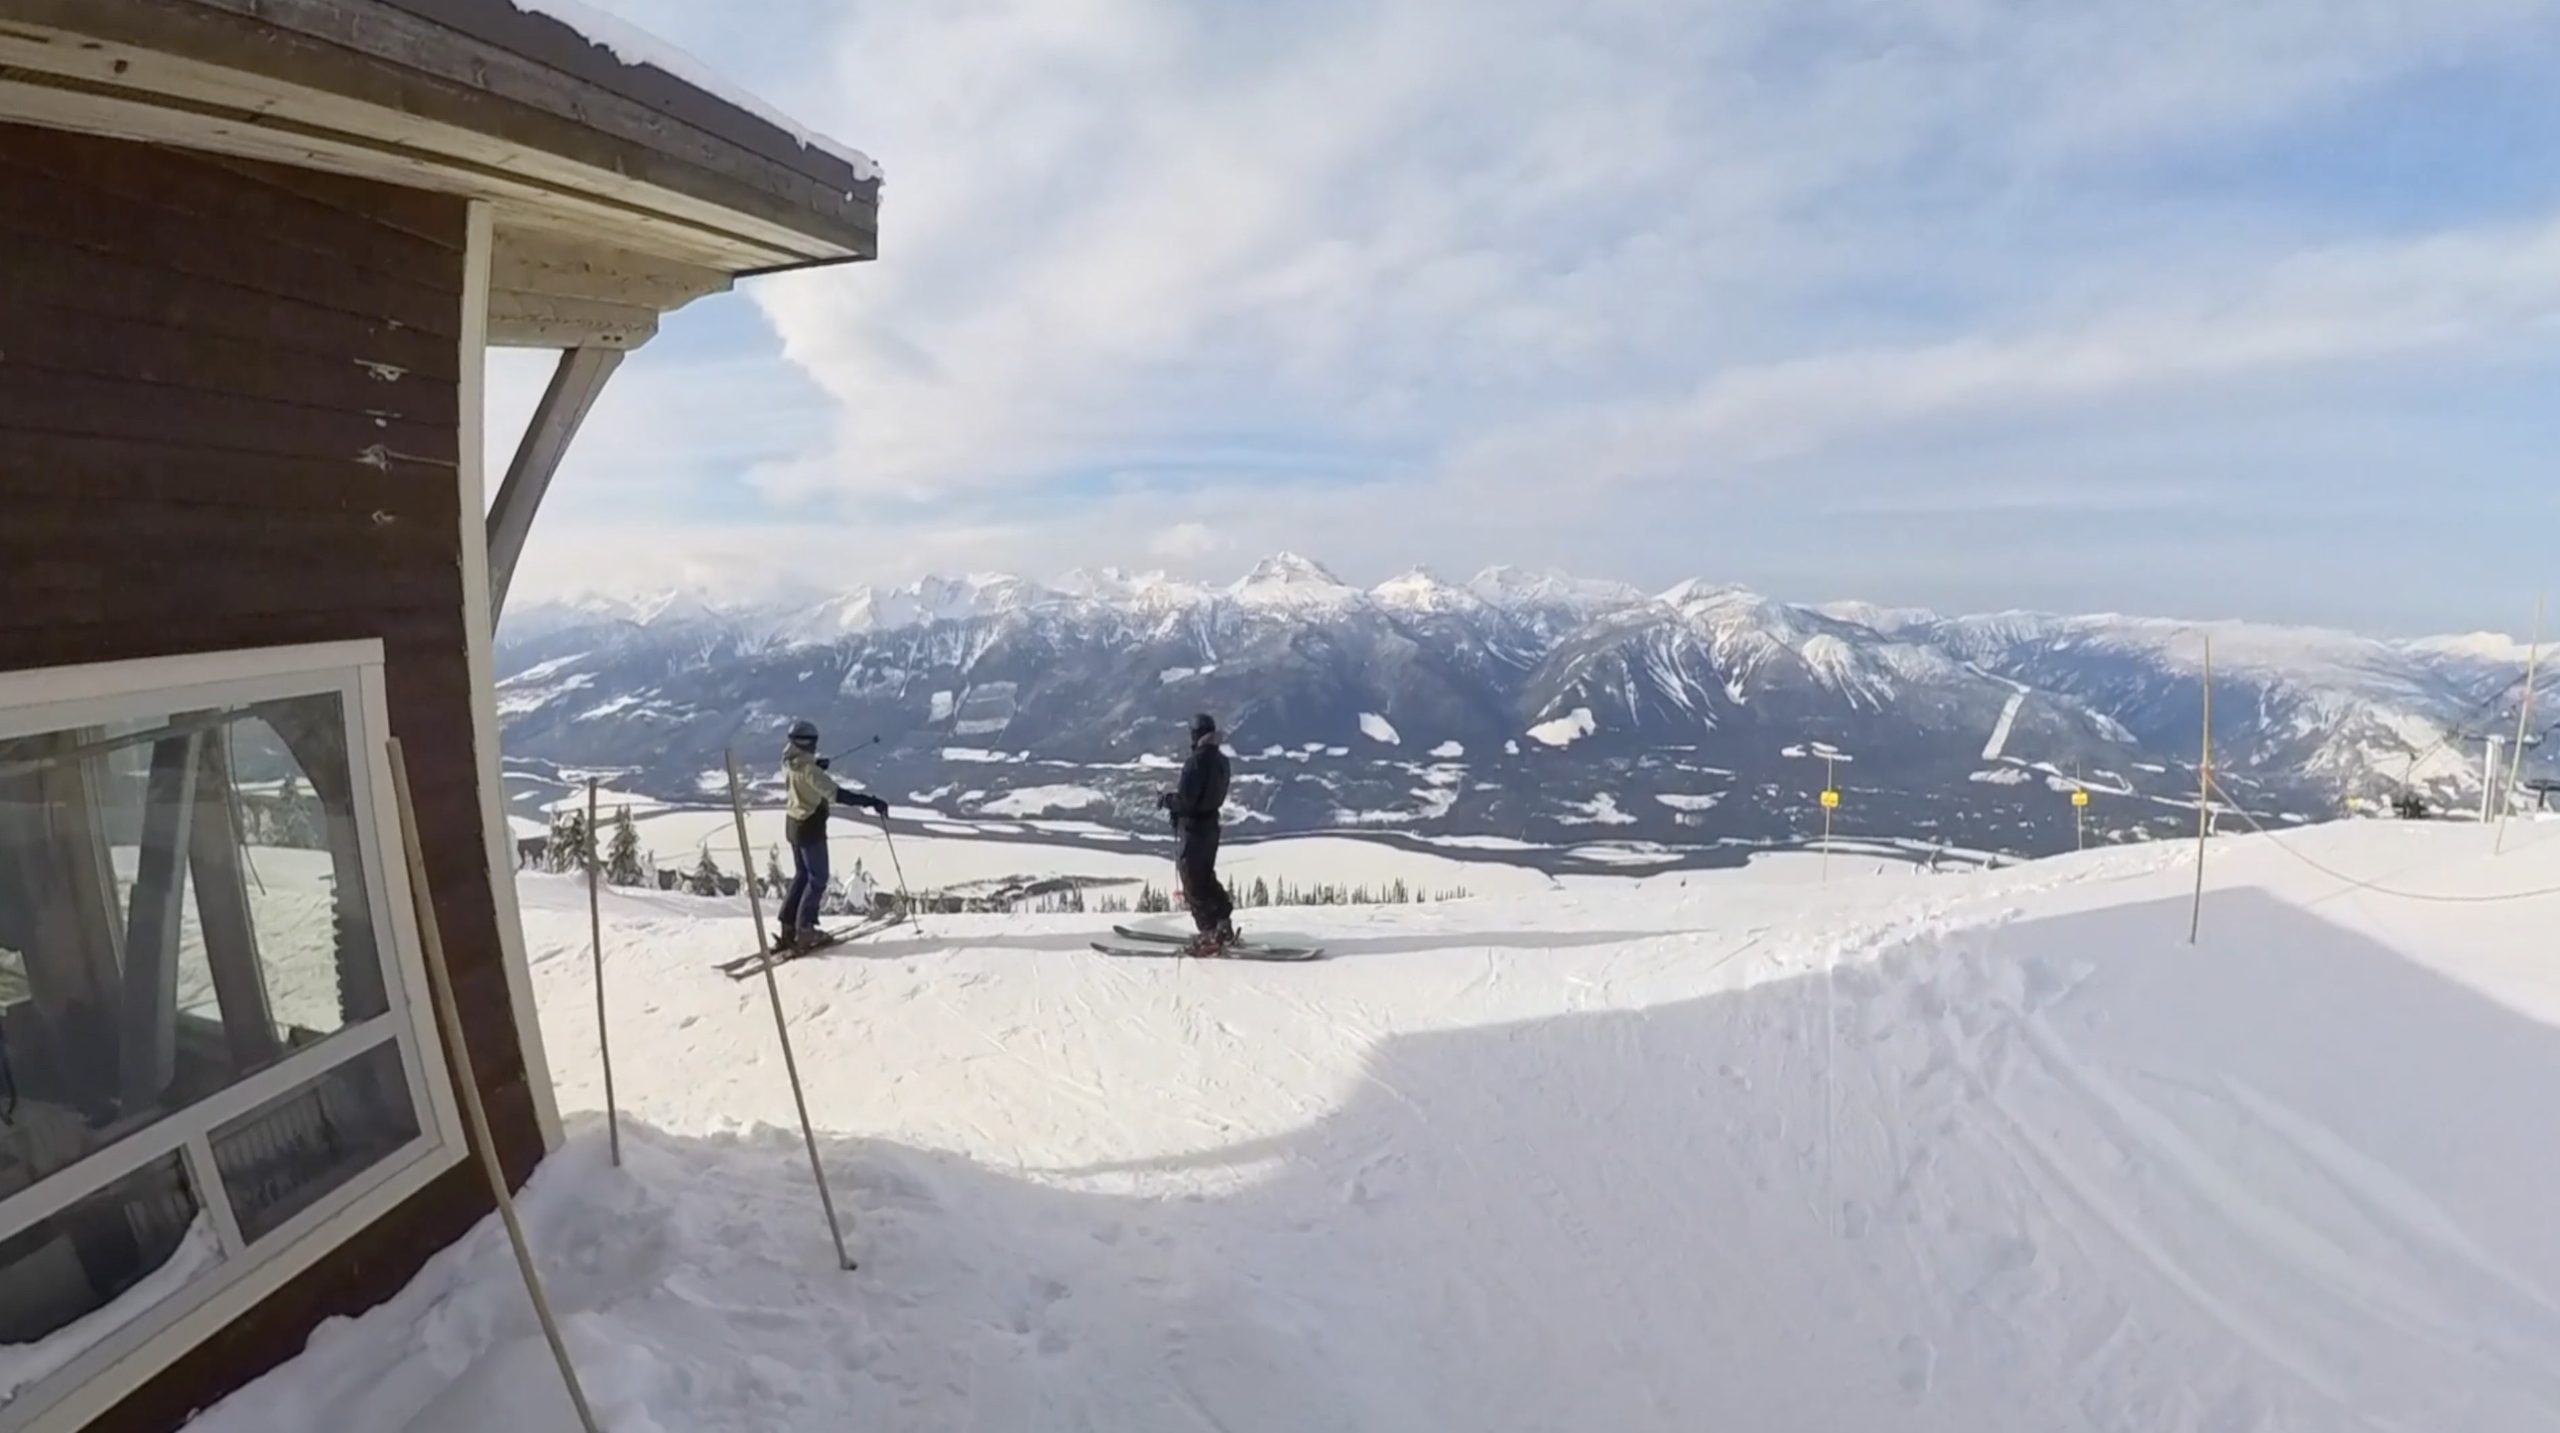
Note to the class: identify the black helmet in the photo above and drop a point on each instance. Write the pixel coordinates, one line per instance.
(1202, 725)
(804, 733)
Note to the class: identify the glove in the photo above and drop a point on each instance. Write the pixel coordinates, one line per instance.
(878, 806)
(822, 762)
(1164, 801)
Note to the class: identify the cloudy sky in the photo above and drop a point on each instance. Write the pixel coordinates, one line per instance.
(2184, 306)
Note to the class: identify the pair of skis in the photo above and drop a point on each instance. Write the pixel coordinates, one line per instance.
(747, 967)
(1132, 941)
(1136, 941)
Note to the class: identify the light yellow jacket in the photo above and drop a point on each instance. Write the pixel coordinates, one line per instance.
(809, 788)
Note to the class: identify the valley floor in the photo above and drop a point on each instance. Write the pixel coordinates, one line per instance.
(1985, 1152)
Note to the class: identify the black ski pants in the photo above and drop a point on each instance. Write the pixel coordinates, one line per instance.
(1196, 862)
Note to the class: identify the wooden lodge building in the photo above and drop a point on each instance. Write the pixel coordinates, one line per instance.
(252, 253)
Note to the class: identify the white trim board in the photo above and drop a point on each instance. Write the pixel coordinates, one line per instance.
(45, 686)
(477, 624)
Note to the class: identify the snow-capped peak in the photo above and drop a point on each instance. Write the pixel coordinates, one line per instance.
(1877, 618)
(929, 600)
(1112, 585)
(1290, 568)
(1517, 587)
(1285, 579)
(1422, 591)
(1680, 594)
(2474, 646)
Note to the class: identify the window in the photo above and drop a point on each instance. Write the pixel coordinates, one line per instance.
(212, 1037)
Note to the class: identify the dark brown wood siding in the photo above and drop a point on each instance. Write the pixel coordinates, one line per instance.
(228, 418)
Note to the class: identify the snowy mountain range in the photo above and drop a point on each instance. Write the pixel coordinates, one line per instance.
(1519, 704)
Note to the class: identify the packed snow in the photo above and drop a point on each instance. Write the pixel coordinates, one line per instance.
(24, 1364)
(1565, 730)
(1793, 1147)
(1379, 729)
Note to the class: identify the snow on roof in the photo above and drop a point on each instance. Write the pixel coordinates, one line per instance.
(634, 46)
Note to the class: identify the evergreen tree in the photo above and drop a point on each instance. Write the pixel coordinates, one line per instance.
(706, 876)
(622, 863)
(1152, 901)
(569, 841)
(1261, 892)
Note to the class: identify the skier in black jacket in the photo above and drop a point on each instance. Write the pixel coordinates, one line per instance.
(1195, 804)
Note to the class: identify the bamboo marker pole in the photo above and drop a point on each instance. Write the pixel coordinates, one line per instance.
(781, 1027)
(2204, 795)
(449, 1016)
(2524, 713)
(595, 929)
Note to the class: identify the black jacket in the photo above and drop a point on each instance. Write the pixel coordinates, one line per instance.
(1202, 792)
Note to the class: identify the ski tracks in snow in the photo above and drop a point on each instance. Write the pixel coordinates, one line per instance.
(1932, 1159)
(2140, 1198)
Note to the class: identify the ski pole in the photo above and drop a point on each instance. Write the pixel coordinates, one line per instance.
(857, 746)
(900, 872)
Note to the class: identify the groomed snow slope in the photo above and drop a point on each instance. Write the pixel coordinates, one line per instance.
(1962, 1153)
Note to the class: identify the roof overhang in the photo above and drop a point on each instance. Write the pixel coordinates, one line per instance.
(619, 190)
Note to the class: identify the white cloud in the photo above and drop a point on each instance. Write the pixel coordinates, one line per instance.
(1145, 224)
(1474, 257)
(1188, 541)
(2321, 307)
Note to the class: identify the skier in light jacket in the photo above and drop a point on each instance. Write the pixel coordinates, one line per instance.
(810, 791)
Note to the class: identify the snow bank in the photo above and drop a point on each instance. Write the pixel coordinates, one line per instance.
(25, 1364)
(1980, 1153)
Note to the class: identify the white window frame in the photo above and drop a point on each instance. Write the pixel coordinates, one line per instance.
(69, 698)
